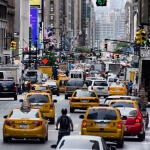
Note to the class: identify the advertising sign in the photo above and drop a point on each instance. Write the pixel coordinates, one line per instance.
(35, 3)
(34, 23)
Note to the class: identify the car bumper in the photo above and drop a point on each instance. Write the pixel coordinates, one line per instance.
(82, 105)
(39, 132)
(117, 93)
(7, 94)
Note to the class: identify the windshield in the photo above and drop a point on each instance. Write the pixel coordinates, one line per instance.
(37, 98)
(84, 94)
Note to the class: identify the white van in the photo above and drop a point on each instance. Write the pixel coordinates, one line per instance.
(76, 74)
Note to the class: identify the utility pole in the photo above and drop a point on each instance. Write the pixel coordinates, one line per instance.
(30, 38)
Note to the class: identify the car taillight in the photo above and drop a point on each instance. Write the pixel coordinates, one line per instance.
(108, 88)
(15, 86)
(51, 106)
(119, 125)
(66, 89)
(72, 100)
(96, 100)
(138, 120)
(84, 124)
(37, 123)
(91, 87)
(9, 122)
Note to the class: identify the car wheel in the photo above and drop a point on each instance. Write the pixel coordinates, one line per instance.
(42, 140)
(46, 136)
(6, 139)
(66, 96)
(147, 122)
(58, 94)
(71, 109)
(52, 120)
(15, 97)
(141, 137)
(120, 143)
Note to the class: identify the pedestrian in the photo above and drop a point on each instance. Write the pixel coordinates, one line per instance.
(28, 85)
(130, 87)
(23, 86)
(65, 122)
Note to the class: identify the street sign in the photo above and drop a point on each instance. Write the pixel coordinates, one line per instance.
(135, 59)
(145, 51)
(44, 61)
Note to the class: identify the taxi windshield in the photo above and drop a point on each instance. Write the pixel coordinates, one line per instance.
(37, 98)
(84, 94)
(21, 114)
(122, 104)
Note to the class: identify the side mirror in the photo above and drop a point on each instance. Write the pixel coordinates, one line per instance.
(124, 117)
(5, 116)
(81, 116)
(21, 100)
(112, 148)
(54, 101)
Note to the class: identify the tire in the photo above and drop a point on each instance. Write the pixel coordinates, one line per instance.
(58, 94)
(42, 140)
(141, 137)
(52, 120)
(120, 143)
(6, 139)
(147, 122)
(15, 97)
(66, 96)
(71, 110)
(46, 136)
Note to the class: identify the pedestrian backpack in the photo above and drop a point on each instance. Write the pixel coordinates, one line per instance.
(64, 122)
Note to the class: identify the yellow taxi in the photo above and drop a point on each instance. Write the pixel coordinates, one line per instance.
(44, 102)
(62, 82)
(105, 122)
(40, 88)
(123, 103)
(117, 88)
(82, 99)
(25, 123)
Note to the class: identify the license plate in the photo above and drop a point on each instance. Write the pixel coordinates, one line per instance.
(23, 126)
(84, 101)
(37, 107)
(101, 124)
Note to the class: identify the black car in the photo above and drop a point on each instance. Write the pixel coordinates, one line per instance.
(8, 89)
(53, 86)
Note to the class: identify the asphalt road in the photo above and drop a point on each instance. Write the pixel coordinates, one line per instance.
(6, 105)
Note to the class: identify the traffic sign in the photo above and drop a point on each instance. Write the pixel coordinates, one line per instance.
(44, 61)
(145, 51)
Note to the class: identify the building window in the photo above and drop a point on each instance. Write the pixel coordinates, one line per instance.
(51, 9)
(3, 12)
(51, 17)
(51, 1)
(52, 25)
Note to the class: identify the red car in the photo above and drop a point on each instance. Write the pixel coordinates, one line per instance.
(134, 123)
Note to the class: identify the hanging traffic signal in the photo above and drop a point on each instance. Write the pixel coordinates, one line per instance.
(101, 2)
(105, 46)
(117, 56)
(13, 45)
(138, 37)
(47, 52)
(144, 37)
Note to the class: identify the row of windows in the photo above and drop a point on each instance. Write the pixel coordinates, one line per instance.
(3, 12)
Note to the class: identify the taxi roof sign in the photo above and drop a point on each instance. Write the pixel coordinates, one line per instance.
(25, 106)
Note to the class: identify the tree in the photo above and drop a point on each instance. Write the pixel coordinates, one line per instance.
(121, 47)
(51, 59)
(82, 49)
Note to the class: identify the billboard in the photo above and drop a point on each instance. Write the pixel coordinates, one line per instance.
(35, 3)
(34, 23)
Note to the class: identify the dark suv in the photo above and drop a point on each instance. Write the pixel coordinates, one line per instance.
(8, 89)
(72, 85)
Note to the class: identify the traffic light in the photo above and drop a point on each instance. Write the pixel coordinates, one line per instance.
(48, 52)
(117, 56)
(144, 37)
(101, 2)
(105, 46)
(138, 37)
(13, 45)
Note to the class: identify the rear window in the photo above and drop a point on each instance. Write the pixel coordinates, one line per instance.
(117, 85)
(128, 112)
(50, 83)
(102, 114)
(6, 83)
(100, 83)
(86, 144)
(76, 75)
(75, 83)
(121, 104)
(19, 114)
(37, 98)
(84, 94)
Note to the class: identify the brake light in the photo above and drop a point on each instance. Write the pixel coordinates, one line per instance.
(108, 88)
(51, 106)
(9, 122)
(84, 124)
(91, 87)
(138, 120)
(96, 100)
(37, 123)
(119, 125)
(72, 100)
(15, 86)
(66, 89)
